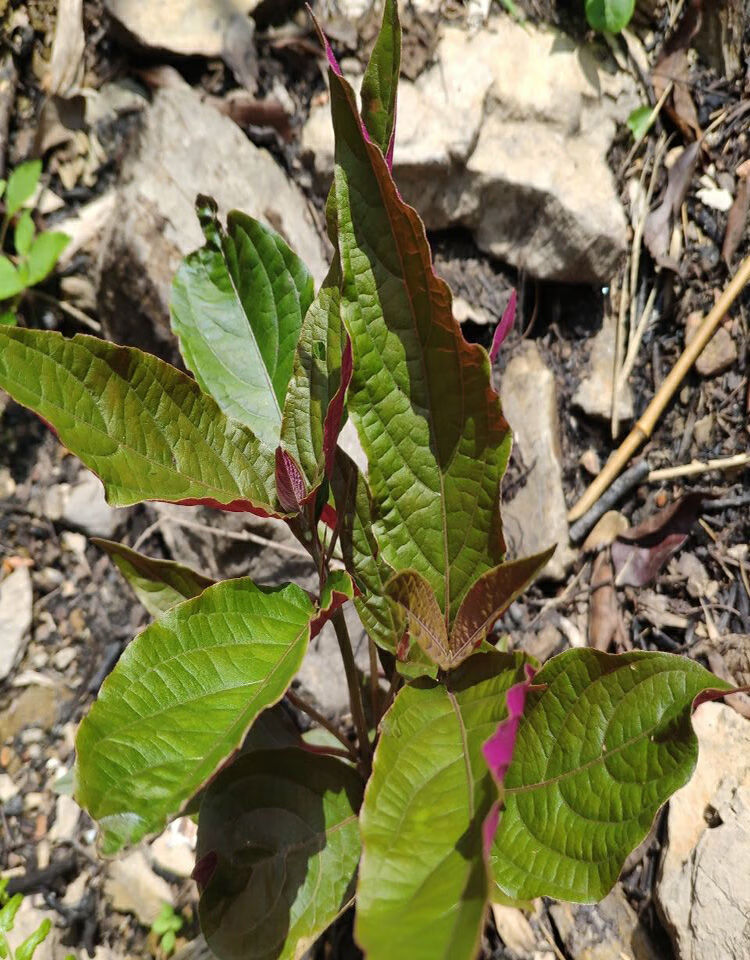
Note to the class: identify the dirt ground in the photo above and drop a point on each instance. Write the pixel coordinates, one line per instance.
(83, 613)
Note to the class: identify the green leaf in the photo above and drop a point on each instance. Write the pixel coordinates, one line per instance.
(44, 253)
(604, 741)
(21, 185)
(8, 319)
(27, 949)
(145, 428)
(237, 308)
(421, 399)
(281, 828)
(3, 185)
(9, 911)
(380, 82)
(181, 700)
(24, 233)
(609, 15)
(10, 280)
(423, 882)
(640, 121)
(315, 381)
(158, 584)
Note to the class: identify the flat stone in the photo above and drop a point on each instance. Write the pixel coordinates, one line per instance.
(173, 852)
(594, 393)
(521, 161)
(186, 147)
(133, 887)
(82, 505)
(537, 516)
(8, 788)
(719, 354)
(603, 931)
(702, 893)
(37, 706)
(67, 813)
(16, 599)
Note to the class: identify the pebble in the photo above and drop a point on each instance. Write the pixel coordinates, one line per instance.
(719, 353)
(133, 887)
(15, 618)
(8, 788)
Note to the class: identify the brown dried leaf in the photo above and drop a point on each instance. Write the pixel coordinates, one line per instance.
(640, 553)
(736, 221)
(67, 49)
(605, 621)
(607, 528)
(658, 228)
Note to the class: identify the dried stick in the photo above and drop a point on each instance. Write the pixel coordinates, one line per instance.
(645, 426)
(619, 488)
(690, 469)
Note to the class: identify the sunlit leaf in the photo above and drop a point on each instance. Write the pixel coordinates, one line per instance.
(281, 832)
(237, 308)
(44, 253)
(609, 15)
(604, 742)
(24, 233)
(181, 700)
(145, 428)
(640, 121)
(380, 82)
(423, 883)
(21, 185)
(11, 282)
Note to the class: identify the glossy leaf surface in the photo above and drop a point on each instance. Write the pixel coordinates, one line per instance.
(281, 828)
(146, 429)
(158, 584)
(237, 308)
(430, 423)
(181, 700)
(604, 742)
(423, 883)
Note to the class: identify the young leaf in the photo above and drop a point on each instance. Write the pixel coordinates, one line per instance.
(640, 120)
(237, 308)
(44, 253)
(281, 827)
(10, 280)
(337, 590)
(604, 741)
(181, 700)
(145, 428)
(27, 949)
(609, 15)
(21, 185)
(420, 396)
(414, 596)
(24, 233)
(423, 883)
(158, 584)
(380, 83)
(9, 911)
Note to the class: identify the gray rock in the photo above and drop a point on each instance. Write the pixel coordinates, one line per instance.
(702, 891)
(514, 148)
(82, 505)
(133, 887)
(67, 813)
(603, 931)
(594, 393)
(536, 517)
(192, 27)
(186, 147)
(15, 618)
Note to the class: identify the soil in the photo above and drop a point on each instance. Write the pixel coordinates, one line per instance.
(81, 604)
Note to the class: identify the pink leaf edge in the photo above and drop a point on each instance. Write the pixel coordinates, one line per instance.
(504, 327)
(332, 424)
(498, 751)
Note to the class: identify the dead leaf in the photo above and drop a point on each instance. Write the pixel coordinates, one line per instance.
(639, 553)
(736, 221)
(605, 622)
(675, 69)
(67, 49)
(606, 530)
(658, 228)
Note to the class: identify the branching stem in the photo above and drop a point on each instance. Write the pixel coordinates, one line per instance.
(311, 712)
(355, 693)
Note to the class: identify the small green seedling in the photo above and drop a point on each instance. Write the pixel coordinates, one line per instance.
(8, 911)
(35, 252)
(610, 16)
(166, 926)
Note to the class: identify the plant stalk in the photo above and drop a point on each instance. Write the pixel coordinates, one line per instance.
(355, 693)
(311, 712)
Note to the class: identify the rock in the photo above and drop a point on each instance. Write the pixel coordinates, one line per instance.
(65, 826)
(82, 505)
(15, 617)
(514, 929)
(590, 461)
(8, 788)
(133, 887)
(603, 931)
(7, 483)
(28, 920)
(32, 705)
(174, 851)
(719, 353)
(699, 583)
(702, 890)
(536, 517)
(513, 149)
(193, 27)
(704, 428)
(186, 147)
(594, 393)
(321, 673)
(463, 311)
